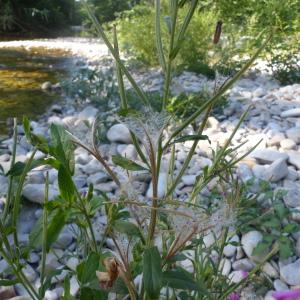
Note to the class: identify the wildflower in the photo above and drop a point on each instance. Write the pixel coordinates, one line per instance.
(287, 295)
(147, 126)
(234, 296)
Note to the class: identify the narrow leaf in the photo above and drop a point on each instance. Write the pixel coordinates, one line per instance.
(127, 163)
(152, 272)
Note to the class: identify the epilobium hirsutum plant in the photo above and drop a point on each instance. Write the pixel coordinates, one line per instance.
(150, 237)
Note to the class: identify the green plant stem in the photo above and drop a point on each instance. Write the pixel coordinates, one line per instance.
(13, 159)
(87, 218)
(17, 200)
(44, 245)
(168, 65)
(153, 215)
(190, 154)
(14, 263)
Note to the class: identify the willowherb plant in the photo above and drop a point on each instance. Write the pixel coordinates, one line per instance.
(151, 237)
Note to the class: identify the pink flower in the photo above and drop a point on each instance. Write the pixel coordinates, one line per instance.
(234, 296)
(244, 274)
(287, 295)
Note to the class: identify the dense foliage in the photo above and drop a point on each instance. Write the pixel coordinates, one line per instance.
(243, 22)
(41, 16)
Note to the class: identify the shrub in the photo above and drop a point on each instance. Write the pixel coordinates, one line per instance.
(152, 237)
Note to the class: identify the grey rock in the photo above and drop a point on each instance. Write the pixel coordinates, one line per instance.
(270, 270)
(89, 112)
(237, 276)
(36, 192)
(3, 266)
(268, 156)
(295, 112)
(97, 178)
(277, 170)
(119, 133)
(294, 158)
(230, 250)
(72, 263)
(51, 295)
(294, 134)
(290, 273)
(74, 286)
(287, 144)
(244, 264)
(30, 273)
(46, 86)
(279, 285)
(249, 242)
(292, 197)
(161, 188)
(189, 179)
(225, 266)
(127, 151)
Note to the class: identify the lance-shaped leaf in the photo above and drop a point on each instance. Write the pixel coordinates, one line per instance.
(127, 164)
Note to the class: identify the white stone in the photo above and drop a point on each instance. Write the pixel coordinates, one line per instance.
(287, 144)
(30, 273)
(189, 179)
(243, 265)
(295, 112)
(36, 192)
(97, 178)
(276, 171)
(225, 266)
(51, 295)
(249, 242)
(237, 276)
(270, 270)
(161, 186)
(88, 112)
(290, 273)
(268, 156)
(72, 263)
(230, 250)
(119, 133)
(279, 285)
(292, 197)
(294, 159)
(74, 286)
(294, 134)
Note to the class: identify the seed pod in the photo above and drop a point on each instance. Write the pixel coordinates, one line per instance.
(218, 32)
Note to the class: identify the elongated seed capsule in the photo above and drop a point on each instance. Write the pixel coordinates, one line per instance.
(218, 32)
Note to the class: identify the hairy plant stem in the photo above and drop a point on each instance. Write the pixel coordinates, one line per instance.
(83, 209)
(17, 199)
(98, 156)
(13, 159)
(44, 244)
(153, 215)
(13, 261)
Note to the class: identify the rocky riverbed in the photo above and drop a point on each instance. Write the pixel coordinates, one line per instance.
(273, 119)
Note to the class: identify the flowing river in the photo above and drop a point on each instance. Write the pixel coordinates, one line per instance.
(22, 73)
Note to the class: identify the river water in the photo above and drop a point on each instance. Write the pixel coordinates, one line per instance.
(21, 75)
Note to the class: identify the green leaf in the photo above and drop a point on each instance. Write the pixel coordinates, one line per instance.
(285, 247)
(127, 164)
(8, 282)
(126, 227)
(281, 210)
(62, 147)
(180, 279)
(152, 272)
(291, 228)
(66, 185)
(67, 295)
(192, 137)
(273, 222)
(92, 294)
(87, 270)
(56, 221)
(18, 168)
